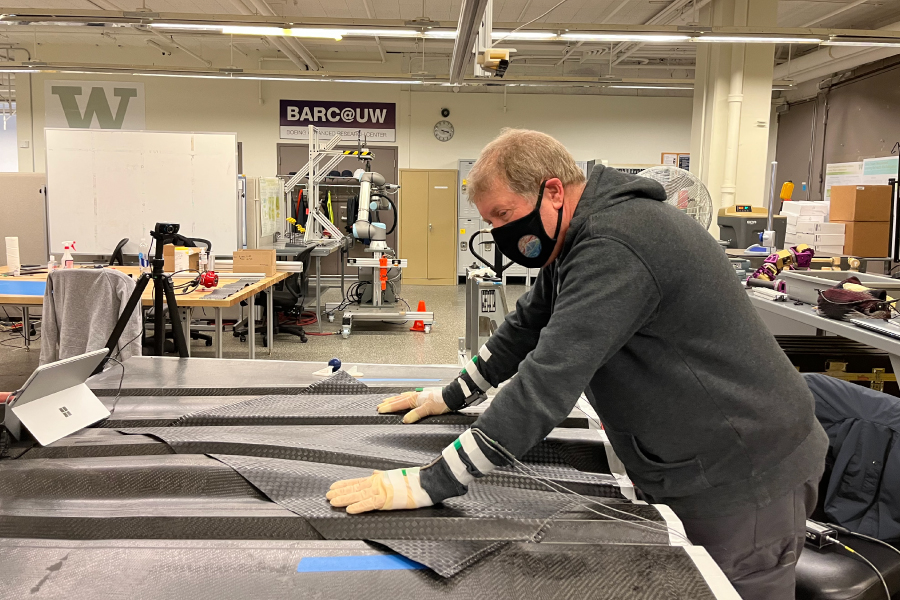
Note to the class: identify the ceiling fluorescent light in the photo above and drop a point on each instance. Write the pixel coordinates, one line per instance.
(302, 32)
(188, 26)
(383, 32)
(624, 37)
(872, 44)
(523, 35)
(650, 87)
(755, 39)
(395, 81)
(444, 34)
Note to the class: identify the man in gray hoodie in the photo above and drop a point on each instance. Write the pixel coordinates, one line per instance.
(636, 306)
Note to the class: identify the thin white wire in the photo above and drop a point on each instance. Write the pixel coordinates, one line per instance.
(887, 590)
(554, 7)
(527, 471)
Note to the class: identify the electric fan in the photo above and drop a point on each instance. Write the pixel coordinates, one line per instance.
(683, 191)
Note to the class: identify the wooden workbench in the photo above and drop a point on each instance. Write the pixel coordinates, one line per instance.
(196, 299)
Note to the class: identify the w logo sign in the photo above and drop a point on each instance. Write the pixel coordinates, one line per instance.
(94, 104)
(65, 411)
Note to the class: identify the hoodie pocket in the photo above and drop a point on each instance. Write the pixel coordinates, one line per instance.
(659, 479)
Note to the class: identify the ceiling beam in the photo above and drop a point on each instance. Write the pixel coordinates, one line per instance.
(470, 16)
(835, 12)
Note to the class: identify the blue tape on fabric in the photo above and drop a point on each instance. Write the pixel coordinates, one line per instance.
(19, 287)
(382, 562)
(395, 379)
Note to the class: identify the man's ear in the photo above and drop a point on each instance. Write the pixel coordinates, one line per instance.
(554, 192)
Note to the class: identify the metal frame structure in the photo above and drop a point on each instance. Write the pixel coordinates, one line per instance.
(316, 222)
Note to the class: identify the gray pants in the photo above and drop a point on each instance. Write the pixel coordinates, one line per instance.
(758, 549)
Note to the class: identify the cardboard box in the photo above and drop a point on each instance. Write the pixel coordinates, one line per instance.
(254, 261)
(835, 250)
(861, 203)
(829, 239)
(805, 208)
(171, 264)
(820, 228)
(797, 219)
(866, 238)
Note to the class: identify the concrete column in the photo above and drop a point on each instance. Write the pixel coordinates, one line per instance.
(732, 106)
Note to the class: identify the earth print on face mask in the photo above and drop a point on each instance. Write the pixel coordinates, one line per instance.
(529, 246)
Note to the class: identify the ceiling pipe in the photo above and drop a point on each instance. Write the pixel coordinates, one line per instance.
(264, 9)
(569, 52)
(188, 51)
(832, 59)
(278, 43)
(615, 10)
(370, 13)
(666, 15)
(842, 64)
(524, 10)
(835, 12)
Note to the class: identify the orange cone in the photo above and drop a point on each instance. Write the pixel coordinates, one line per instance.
(419, 325)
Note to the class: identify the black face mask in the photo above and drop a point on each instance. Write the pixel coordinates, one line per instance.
(524, 240)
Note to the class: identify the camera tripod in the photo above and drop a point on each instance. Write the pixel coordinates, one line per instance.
(163, 233)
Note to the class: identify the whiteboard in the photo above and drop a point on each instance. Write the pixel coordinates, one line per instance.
(104, 185)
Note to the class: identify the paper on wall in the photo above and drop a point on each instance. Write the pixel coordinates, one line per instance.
(878, 171)
(271, 196)
(841, 174)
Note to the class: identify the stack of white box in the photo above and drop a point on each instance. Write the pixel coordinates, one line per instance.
(807, 223)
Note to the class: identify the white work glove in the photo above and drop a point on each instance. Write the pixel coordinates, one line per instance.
(397, 489)
(424, 403)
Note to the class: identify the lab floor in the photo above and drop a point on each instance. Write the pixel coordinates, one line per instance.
(368, 343)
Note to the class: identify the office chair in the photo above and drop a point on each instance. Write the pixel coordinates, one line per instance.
(287, 300)
(117, 255)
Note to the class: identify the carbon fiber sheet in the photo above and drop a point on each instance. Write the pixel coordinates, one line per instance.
(358, 409)
(488, 513)
(386, 447)
(162, 570)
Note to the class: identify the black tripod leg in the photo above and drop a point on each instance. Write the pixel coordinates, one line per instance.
(177, 330)
(159, 323)
(122, 323)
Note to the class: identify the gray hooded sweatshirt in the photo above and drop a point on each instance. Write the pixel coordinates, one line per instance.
(643, 313)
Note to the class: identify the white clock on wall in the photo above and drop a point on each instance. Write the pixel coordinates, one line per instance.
(443, 131)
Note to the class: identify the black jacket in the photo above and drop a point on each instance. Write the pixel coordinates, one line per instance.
(643, 313)
(863, 427)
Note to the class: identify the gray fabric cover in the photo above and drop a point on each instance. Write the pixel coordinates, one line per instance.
(81, 307)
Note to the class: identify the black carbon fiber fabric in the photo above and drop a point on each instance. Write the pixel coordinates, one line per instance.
(338, 383)
(358, 409)
(162, 570)
(224, 391)
(488, 513)
(379, 447)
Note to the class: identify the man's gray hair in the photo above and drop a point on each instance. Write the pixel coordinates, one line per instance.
(520, 159)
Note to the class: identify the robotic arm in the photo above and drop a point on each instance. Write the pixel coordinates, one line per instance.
(371, 198)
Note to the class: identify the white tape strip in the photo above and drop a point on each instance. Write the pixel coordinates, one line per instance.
(456, 465)
(484, 352)
(673, 523)
(477, 379)
(465, 388)
(420, 496)
(473, 451)
(398, 482)
(716, 580)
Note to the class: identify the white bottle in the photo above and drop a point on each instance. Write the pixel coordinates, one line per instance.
(52, 265)
(67, 261)
(143, 259)
(202, 260)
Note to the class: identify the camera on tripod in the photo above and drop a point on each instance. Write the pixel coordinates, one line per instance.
(165, 229)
